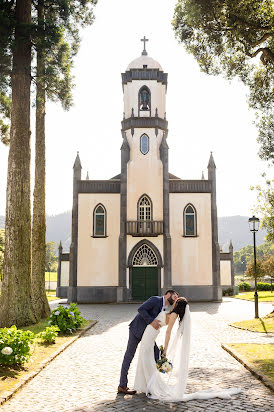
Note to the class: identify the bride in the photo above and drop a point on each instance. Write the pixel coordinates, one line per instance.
(171, 386)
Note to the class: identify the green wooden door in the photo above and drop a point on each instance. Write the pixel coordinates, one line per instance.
(144, 282)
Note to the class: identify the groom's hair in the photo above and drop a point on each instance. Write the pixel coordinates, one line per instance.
(172, 291)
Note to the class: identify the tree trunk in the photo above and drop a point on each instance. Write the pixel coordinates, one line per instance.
(15, 304)
(39, 298)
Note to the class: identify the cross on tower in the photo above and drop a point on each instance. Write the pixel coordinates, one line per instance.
(144, 52)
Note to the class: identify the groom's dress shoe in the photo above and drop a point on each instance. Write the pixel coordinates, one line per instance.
(126, 391)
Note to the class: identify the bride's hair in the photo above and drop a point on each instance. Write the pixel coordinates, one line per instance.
(180, 307)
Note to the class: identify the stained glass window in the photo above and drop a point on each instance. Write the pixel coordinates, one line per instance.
(190, 223)
(99, 221)
(144, 144)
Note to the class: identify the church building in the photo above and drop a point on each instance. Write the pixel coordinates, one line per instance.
(144, 230)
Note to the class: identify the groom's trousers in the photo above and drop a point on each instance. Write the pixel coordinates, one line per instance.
(133, 342)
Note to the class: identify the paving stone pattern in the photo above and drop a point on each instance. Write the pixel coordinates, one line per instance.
(85, 376)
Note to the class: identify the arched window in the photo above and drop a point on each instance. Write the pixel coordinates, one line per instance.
(144, 208)
(144, 99)
(144, 256)
(190, 221)
(144, 215)
(99, 221)
(144, 144)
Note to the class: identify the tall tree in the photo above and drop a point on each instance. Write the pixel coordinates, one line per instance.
(15, 301)
(235, 38)
(7, 22)
(56, 42)
(265, 207)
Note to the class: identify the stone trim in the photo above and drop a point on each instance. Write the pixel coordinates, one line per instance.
(139, 244)
(144, 74)
(144, 123)
(98, 186)
(122, 256)
(199, 293)
(189, 186)
(72, 297)
(62, 291)
(167, 237)
(97, 294)
(225, 256)
(216, 278)
(65, 257)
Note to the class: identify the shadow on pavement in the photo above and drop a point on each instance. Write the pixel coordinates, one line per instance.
(199, 379)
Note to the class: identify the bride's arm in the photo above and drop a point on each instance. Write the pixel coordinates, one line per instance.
(171, 322)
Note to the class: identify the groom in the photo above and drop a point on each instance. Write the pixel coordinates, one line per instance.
(148, 311)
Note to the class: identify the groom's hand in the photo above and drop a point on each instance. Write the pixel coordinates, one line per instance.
(156, 324)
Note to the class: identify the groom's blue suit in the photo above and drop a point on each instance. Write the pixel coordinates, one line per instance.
(148, 311)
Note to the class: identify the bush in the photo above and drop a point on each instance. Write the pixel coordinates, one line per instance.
(263, 286)
(15, 345)
(67, 319)
(49, 335)
(244, 286)
(228, 292)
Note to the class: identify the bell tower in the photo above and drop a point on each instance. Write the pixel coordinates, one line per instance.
(144, 177)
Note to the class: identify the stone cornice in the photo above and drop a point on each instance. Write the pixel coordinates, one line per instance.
(144, 74)
(144, 122)
(98, 186)
(189, 186)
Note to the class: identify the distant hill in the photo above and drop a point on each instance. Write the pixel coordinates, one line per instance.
(230, 227)
(236, 228)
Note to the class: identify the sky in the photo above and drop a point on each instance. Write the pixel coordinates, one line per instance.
(205, 113)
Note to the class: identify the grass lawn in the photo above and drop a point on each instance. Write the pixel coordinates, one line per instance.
(260, 356)
(10, 376)
(53, 276)
(264, 296)
(265, 325)
(51, 294)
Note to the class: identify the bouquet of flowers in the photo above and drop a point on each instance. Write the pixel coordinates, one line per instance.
(163, 364)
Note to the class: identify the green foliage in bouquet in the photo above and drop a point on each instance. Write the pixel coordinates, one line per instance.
(67, 319)
(163, 364)
(49, 335)
(15, 345)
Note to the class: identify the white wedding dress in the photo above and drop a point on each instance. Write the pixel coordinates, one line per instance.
(170, 386)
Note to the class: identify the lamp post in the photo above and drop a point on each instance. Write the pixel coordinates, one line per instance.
(254, 223)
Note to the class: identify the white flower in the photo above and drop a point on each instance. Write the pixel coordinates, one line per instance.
(166, 367)
(57, 313)
(6, 350)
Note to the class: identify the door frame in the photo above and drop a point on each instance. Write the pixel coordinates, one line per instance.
(130, 265)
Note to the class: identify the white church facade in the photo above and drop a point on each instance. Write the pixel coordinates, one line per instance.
(144, 230)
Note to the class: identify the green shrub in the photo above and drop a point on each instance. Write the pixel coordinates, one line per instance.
(67, 319)
(49, 335)
(244, 286)
(228, 292)
(263, 286)
(15, 345)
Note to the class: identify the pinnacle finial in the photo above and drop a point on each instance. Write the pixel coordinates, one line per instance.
(87, 178)
(203, 176)
(211, 163)
(230, 246)
(60, 245)
(144, 52)
(77, 163)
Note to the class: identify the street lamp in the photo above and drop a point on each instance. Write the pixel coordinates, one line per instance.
(254, 223)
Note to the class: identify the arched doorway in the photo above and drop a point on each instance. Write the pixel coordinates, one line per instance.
(145, 264)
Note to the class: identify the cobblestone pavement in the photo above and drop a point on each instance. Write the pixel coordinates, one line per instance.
(85, 376)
